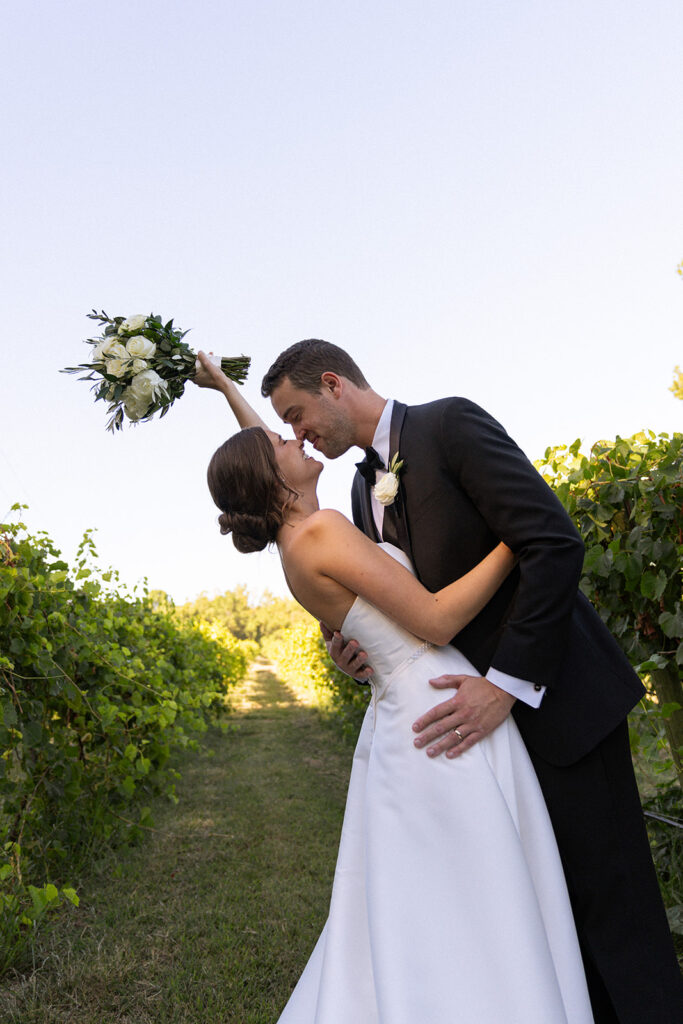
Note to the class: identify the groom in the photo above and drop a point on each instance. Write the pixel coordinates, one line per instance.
(543, 653)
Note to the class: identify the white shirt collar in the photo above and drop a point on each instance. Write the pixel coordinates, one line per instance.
(381, 439)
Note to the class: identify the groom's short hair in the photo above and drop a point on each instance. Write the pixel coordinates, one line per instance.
(304, 364)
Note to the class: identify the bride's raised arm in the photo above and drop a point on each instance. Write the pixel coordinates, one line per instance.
(211, 376)
(333, 549)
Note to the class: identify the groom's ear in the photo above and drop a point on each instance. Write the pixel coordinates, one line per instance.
(331, 383)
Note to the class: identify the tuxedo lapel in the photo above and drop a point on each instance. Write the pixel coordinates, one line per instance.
(398, 510)
(398, 414)
(365, 505)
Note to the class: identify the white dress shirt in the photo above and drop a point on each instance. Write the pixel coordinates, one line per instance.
(521, 689)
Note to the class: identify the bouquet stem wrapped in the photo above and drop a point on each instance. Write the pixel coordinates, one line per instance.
(140, 365)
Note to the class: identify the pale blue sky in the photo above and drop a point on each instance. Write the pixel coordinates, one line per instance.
(473, 198)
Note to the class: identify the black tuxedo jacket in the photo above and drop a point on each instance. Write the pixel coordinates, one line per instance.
(464, 486)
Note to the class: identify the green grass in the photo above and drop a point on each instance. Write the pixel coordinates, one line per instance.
(212, 917)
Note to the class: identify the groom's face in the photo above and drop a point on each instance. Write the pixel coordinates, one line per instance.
(321, 418)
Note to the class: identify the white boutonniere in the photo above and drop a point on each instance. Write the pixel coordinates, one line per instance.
(386, 488)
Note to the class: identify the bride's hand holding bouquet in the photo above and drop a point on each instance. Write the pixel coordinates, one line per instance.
(210, 375)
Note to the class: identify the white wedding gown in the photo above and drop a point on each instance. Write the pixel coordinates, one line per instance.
(449, 902)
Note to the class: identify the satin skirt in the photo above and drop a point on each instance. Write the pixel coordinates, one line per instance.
(449, 901)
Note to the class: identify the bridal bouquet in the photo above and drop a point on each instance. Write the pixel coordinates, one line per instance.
(140, 365)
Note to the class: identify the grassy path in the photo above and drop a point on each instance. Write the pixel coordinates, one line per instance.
(211, 918)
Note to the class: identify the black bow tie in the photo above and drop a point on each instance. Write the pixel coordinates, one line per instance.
(370, 463)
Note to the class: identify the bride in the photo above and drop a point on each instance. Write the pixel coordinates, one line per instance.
(449, 901)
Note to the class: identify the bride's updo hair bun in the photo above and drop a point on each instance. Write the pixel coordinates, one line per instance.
(247, 486)
(249, 532)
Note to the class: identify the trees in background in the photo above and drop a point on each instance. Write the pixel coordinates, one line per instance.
(245, 619)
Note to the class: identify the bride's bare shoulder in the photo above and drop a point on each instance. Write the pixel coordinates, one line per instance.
(325, 527)
(327, 520)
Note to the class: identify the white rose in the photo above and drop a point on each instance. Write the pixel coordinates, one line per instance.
(140, 347)
(116, 367)
(146, 385)
(134, 408)
(386, 488)
(117, 350)
(98, 352)
(133, 323)
(138, 365)
(109, 347)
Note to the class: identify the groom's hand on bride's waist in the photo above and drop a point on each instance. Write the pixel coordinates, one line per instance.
(348, 657)
(478, 707)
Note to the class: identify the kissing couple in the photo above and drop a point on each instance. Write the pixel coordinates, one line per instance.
(493, 864)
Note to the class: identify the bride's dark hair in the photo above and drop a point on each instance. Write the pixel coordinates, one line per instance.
(247, 486)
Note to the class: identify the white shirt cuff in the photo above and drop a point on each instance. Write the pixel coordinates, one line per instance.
(522, 689)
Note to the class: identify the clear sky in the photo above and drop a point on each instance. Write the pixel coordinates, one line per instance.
(478, 198)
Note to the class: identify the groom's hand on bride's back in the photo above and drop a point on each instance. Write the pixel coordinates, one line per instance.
(348, 657)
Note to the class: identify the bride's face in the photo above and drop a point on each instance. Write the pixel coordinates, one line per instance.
(296, 467)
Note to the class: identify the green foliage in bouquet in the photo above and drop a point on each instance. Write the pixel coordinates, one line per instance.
(140, 366)
(97, 689)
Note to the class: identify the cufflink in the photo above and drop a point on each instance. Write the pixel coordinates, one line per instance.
(537, 687)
